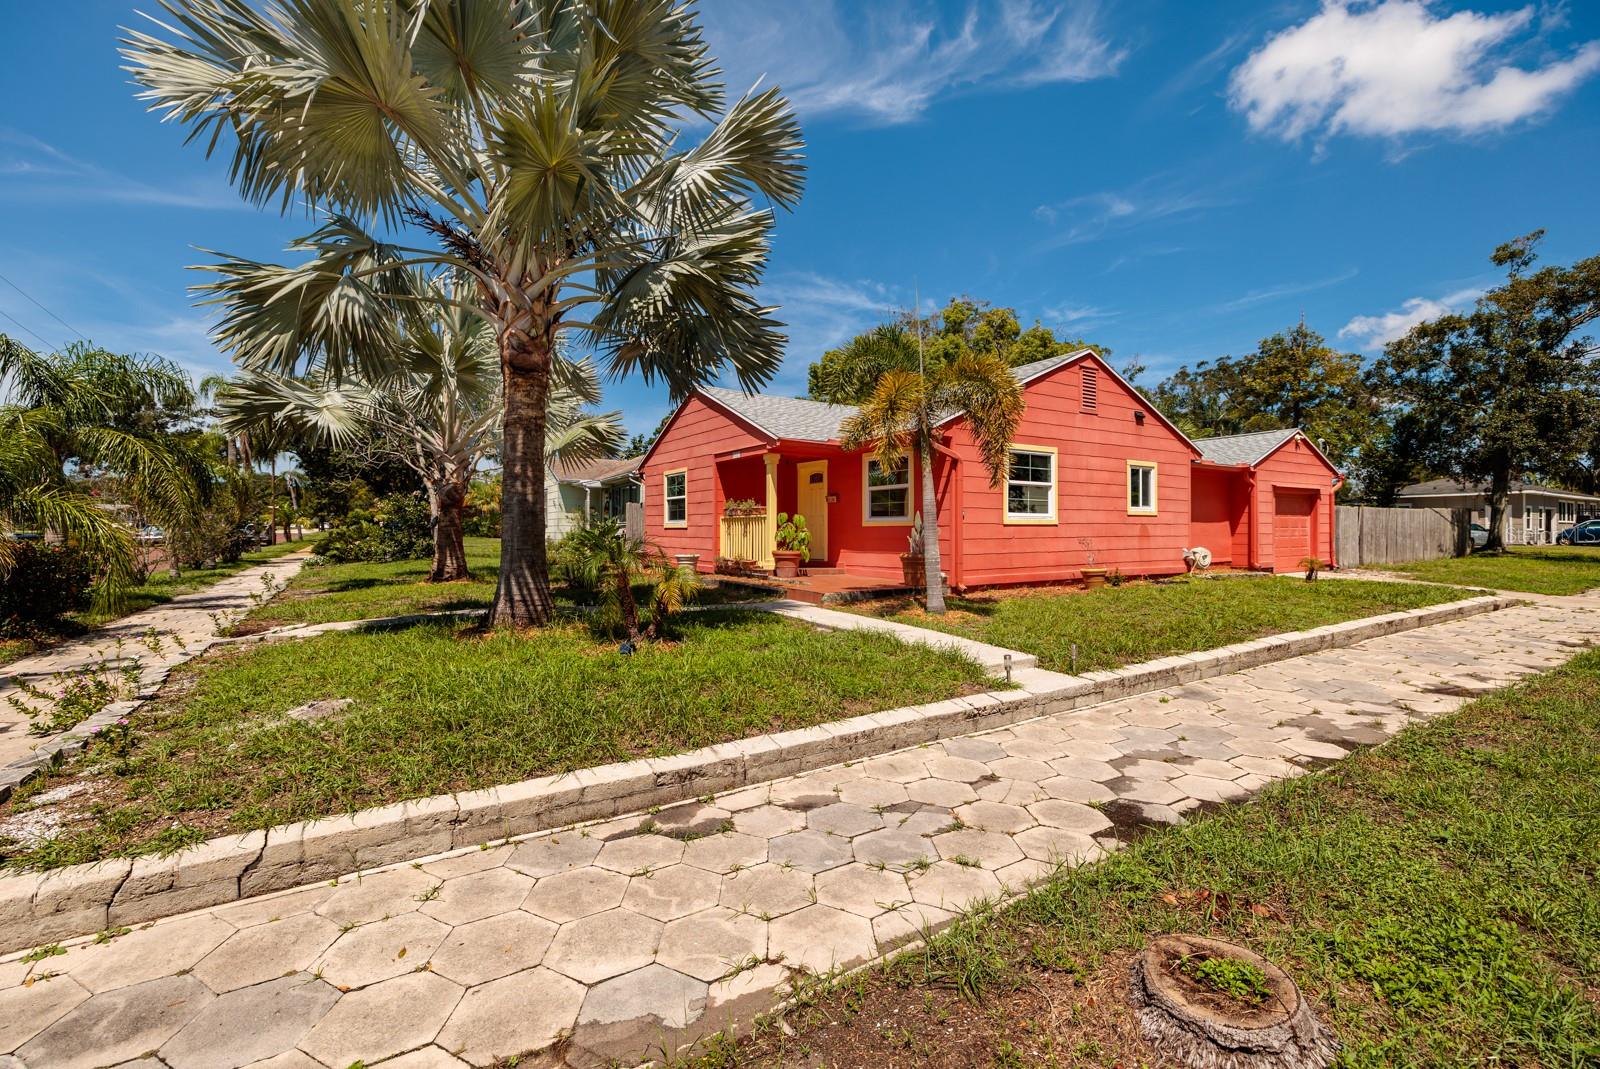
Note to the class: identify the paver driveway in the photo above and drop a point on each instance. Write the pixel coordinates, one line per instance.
(181, 627)
(624, 938)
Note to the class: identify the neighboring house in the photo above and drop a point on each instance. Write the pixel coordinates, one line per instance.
(1264, 500)
(595, 487)
(1098, 477)
(1534, 514)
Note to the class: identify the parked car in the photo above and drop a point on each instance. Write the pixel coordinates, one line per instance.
(1480, 536)
(151, 535)
(1586, 533)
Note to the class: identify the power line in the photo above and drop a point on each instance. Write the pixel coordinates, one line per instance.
(27, 328)
(43, 309)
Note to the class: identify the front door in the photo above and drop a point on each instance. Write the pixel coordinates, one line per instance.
(812, 502)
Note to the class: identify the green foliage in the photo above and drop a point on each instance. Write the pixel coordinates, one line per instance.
(480, 516)
(1242, 981)
(397, 529)
(847, 375)
(793, 535)
(43, 584)
(1292, 379)
(1508, 389)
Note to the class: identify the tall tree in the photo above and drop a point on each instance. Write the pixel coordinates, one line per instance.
(90, 414)
(1509, 389)
(1292, 379)
(902, 415)
(536, 144)
(848, 374)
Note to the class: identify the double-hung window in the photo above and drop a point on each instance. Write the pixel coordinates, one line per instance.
(675, 498)
(1141, 488)
(886, 496)
(1031, 486)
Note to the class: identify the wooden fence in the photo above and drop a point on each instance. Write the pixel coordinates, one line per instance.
(633, 519)
(1371, 536)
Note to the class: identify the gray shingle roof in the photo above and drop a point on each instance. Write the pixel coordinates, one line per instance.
(785, 417)
(1039, 367)
(1242, 448)
(1452, 486)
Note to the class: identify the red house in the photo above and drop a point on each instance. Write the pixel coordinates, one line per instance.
(1098, 478)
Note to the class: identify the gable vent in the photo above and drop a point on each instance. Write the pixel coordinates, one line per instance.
(1091, 387)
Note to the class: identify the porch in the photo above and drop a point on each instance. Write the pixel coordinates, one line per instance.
(823, 586)
(854, 531)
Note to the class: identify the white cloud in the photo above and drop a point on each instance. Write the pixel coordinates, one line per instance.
(1091, 216)
(1374, 332)
(1067, 314)
(887, 63)
(1287, 289)
(35, 170)
(1396, 67)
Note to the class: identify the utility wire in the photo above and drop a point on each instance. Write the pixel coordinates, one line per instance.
(27, 328)
(43, 309)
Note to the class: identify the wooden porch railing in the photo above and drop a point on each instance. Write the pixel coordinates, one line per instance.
(745, 538)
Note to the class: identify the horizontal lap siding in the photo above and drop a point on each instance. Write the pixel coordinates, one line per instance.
(1093, 450)
(1295, 466)
(692, 440)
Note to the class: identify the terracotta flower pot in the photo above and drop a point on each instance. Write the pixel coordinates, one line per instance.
(914, 570)
(786, 563)
(1094, 577)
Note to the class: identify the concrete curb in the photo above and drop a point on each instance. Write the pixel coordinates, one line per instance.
(42, 907)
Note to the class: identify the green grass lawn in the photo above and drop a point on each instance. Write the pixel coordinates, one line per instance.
(159, 589)
(1534, 569)
(1436, 897)
(363, 591)
(440, 708)
(1113, 626)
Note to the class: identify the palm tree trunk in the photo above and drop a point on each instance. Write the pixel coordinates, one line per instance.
(522, 598)
(930, 532)
(448, 498)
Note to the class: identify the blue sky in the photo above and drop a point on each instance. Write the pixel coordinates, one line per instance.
(1174, 180)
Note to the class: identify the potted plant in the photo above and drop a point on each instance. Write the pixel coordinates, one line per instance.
(1093, 576)
(912, 565)
(794, 545)
(742, 506)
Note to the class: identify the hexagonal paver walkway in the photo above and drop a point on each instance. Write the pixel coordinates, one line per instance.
(160, 638)
(622, 939)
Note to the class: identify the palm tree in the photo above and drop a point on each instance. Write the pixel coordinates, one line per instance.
(903, 414)
(83, 413)
(435, 408)
(535, 142)
(606, 558)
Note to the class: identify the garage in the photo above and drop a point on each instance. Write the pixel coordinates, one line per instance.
(1293, 528)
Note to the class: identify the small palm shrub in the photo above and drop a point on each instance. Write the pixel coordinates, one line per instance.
(39, 584)
(602, 557)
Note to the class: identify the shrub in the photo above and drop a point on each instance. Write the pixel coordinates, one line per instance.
(42, 583)
(397, 528)
(480, 517)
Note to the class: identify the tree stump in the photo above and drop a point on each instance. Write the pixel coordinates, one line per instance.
(1197, 1026)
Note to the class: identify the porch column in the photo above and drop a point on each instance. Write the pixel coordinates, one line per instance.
(769, 539)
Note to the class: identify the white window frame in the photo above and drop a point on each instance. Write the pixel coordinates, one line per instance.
(668, 497)
(1144, 508)
(1047, 517)
(867, 460)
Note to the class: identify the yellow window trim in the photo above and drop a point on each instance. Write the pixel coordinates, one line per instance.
(1052, 520)
(1155, 484)
(867, 518)
(666, 507)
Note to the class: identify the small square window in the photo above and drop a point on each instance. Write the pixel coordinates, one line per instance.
(887, 492)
